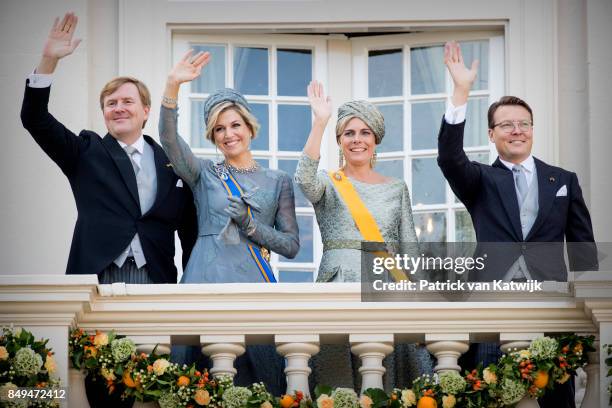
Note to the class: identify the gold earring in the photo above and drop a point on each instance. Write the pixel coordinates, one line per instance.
(340, 159)
(373, 160)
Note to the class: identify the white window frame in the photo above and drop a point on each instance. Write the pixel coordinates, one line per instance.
(355, 56)
(318, 44)
(361, 48)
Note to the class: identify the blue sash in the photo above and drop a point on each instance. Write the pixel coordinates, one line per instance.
(233, 189)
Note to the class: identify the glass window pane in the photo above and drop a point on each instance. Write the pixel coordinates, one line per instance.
(213, 76)
(306, 243)
(295, 276)
(261, 142)
(427, 182)
(294, 123)
(476, 123)
(430, 227)
(263, 162)
(251, 70)
(464, 230)
(198, 129)
(390, 168)
(471, 50)
(294, 71)
(394, 128)
(385, 69)
(426, 117)
(289, 166)
(427, 70)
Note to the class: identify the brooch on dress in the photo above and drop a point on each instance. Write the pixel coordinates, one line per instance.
(221, 171)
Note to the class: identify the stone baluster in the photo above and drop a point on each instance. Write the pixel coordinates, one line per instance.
(77, 397)
(447, 348)
(223, 350)
(518, 341)
(146, 344)
(297, 349)
(371, 349)
(591, 393)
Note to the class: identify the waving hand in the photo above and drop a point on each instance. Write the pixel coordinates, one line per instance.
(463, 77)
(59, 43)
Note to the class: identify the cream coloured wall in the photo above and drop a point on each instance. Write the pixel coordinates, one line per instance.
(548, 46)
(37, 211)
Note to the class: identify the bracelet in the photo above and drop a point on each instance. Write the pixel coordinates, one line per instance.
(168, 101)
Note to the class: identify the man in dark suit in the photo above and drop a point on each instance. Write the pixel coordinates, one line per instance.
(519, 200)
(129, 200)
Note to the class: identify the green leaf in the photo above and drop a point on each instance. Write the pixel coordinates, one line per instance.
(322, 389)
(378, 396)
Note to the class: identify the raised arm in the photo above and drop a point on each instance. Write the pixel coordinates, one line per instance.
(462, 175)
(321, 110)
(306, 172)
(62, 146)
(184, 161)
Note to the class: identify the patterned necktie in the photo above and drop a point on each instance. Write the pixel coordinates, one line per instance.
(520, 181)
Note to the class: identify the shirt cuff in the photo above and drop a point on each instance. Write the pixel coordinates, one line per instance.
(454, 114)
(40, 80)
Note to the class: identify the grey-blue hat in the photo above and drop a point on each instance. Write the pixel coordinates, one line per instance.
(366, 111)
(223, 95)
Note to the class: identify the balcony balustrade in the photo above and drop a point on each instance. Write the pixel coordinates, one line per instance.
(301, 317)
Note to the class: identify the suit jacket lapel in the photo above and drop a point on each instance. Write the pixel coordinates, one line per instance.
(165, 173)
(507, 192)
(123, 163)
(548, 184)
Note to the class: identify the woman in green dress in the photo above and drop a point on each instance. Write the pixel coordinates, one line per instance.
(384, 203)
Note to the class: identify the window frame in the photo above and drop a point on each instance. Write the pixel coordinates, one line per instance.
(361, 47)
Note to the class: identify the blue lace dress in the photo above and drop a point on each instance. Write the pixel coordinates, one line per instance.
(215, 260)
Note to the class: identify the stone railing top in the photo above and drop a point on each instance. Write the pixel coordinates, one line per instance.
(327, 309)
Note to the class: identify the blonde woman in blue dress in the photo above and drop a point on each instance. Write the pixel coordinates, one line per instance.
(243, 209)
(360, 128)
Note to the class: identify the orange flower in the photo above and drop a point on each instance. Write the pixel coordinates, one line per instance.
(183, 381)
(149, 369)
(578, 348)
(128, 380)
(202, 397)
(541, 379)
(286, 401)
(91, 350)
(427, 402)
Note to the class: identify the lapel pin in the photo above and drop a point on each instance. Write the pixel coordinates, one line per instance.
(551, 179)
(170, 165)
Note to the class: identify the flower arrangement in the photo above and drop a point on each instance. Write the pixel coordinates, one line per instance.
(520, 373)
(25, 362)
(151, 377)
